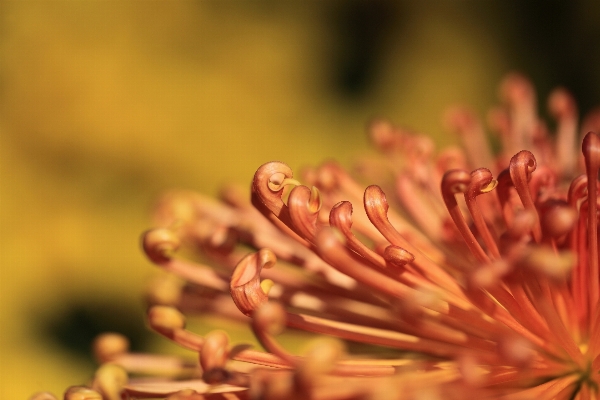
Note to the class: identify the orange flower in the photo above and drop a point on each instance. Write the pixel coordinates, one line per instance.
(487, 288)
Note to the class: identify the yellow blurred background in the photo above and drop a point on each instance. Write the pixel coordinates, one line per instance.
(104, 104)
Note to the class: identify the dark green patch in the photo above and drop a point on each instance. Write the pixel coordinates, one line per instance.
(76, 325)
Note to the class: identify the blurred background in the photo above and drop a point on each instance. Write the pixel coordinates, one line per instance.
(105, 104)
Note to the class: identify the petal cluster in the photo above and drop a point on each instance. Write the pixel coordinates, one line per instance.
(464, 273)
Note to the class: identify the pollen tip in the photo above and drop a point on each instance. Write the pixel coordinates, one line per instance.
(278, 181)
(109, 380)
(546, 261)
(516, 88)
(266, 285)
(165, 319)
(321, 356)
(483, 277)
(381, 133)
(164, 290)
(591, 148)
(109, 345)
(397, 256)
(561, 103)
(214, 353)
(471, 370)
(491, 186)
(558, 220)
(516, 350)
(458, 119)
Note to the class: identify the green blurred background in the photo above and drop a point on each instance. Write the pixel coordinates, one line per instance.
(103, 105)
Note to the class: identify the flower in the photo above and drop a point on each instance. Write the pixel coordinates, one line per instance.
(487, 288)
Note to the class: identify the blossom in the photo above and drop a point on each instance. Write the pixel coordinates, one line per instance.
(478, 273)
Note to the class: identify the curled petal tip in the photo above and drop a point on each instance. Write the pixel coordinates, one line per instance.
(376, 203)
(269, 182)
(304, 205)
(482, 181)
(278, 181)
(341, 214)
(523, 160)
(521, 167)
(490, 186)
(247, 291)
(266, 258)
(376, 207)
(453, 182)
(414, 291)
(159, 244)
